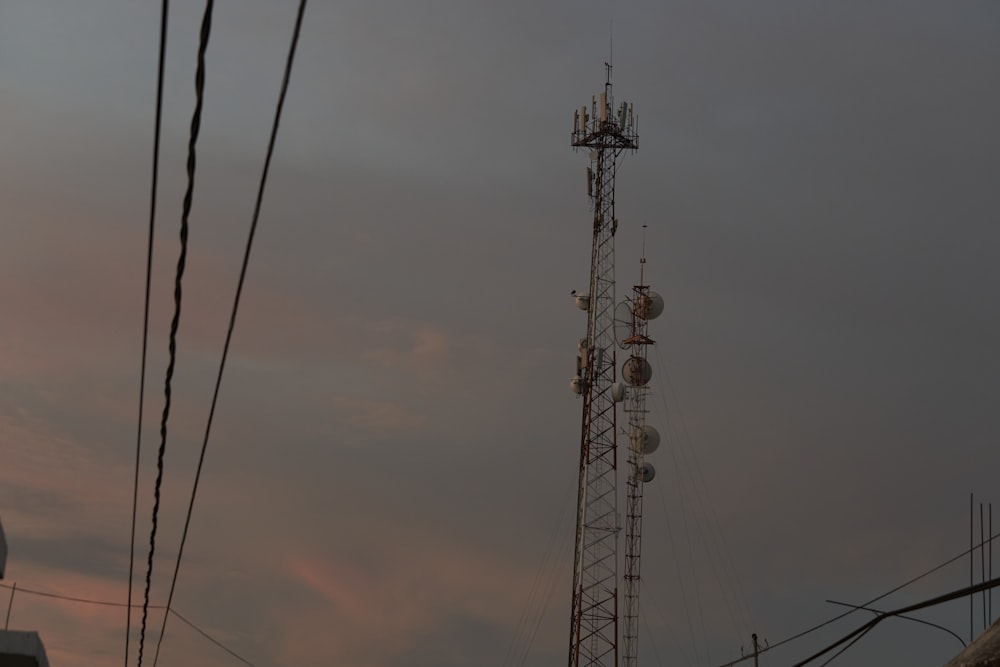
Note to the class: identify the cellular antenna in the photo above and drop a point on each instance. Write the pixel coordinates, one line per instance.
(606, 131)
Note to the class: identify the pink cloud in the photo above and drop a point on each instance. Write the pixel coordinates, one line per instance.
(374, 612)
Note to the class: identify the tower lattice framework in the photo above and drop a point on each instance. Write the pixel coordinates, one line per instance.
(607, 131)
(642, 306)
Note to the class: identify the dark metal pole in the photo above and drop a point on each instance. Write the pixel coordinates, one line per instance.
(10, 605)
(982, 559)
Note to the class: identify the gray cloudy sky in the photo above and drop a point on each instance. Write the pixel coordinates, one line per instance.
(390, 476)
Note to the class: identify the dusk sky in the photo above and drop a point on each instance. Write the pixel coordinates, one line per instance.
(391, 474)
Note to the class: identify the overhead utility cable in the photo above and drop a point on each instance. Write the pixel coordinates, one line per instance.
(199, 86)
(211, 638)
(905, 618)
(844, 648)
(70, 598)
(869, 603)
(164, 11)
(239, 290)
(108, 603)
(947, 597)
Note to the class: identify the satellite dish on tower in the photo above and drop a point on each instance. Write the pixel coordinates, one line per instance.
(623, 324)
(649, 306)
(637, 371)
(645, 440)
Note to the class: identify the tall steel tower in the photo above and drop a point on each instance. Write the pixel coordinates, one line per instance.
(607, 131)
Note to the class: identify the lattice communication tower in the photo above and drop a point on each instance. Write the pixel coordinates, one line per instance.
(631, 323)
(607, 131)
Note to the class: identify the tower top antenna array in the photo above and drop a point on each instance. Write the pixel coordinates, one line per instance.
(607, 130)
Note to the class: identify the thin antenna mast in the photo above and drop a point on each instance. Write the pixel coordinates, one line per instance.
(605, 132)
(644, 305)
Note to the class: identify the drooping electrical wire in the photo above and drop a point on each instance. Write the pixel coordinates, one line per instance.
(861, 631)
(869, 603)
(211, 638)
(876, 599)
(70, 598)
(164, 11)
(239, 290)
(108, 603)
(905, 618)
(206, 29)
(843, 649)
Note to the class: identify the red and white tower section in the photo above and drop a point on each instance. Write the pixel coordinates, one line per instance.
(631, 323)
(606, 130)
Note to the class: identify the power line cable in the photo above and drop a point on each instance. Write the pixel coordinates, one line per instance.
(876, 599)
(906, 618)
(870, 602)
(239, 286)
(108, 603)
(70, 598)
(857, 633)
(211, 639)
(165, 8)
(844, 648)
(199, 85)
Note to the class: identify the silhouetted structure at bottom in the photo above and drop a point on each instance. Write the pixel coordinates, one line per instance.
(18, 648)
(984, 652)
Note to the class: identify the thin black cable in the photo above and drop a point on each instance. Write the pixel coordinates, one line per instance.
(906, 618)
(165, 8)
(212, 639)
(866, 604)
(69, 598)
(10, 606)
(886, 594)
(947, 597)
(199, 86)
(236, 300)
(844, 648)
(106, 603)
